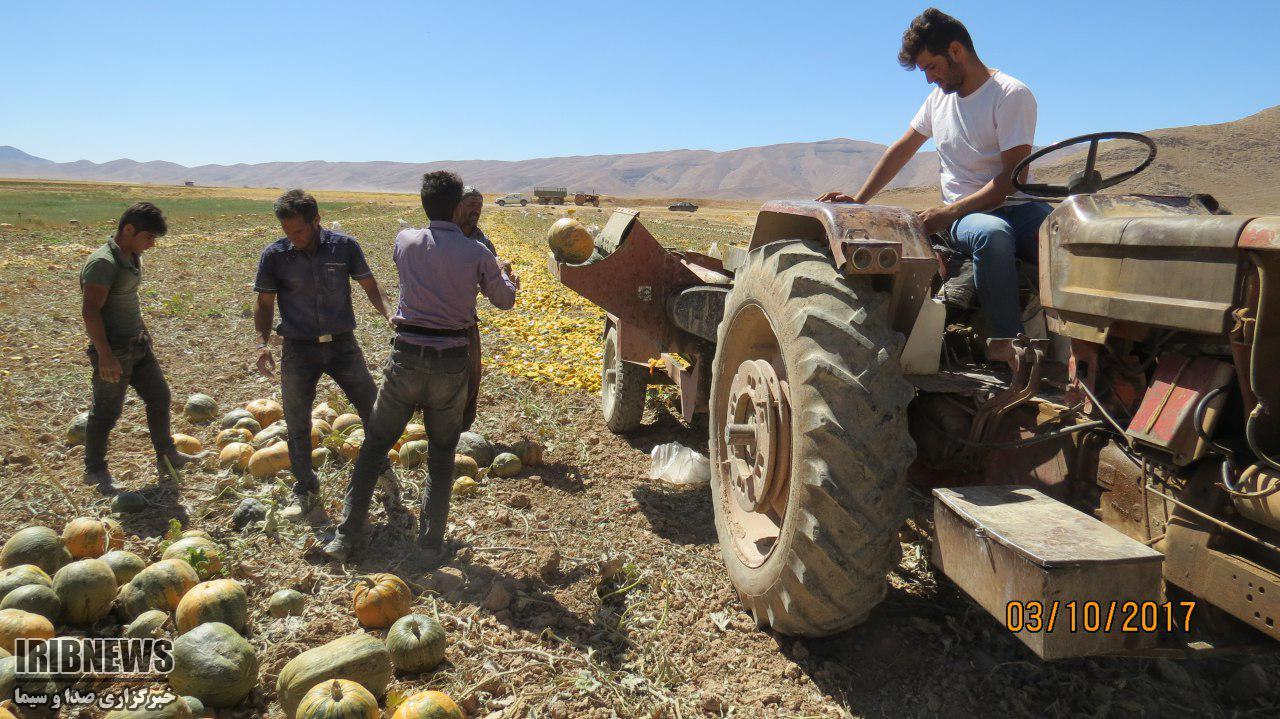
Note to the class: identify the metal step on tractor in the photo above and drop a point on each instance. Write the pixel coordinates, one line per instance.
(1121, 458)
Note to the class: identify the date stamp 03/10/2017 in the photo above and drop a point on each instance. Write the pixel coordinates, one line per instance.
(1095, 617)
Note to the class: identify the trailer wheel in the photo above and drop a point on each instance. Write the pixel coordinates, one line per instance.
(622, 388)
(809, 444)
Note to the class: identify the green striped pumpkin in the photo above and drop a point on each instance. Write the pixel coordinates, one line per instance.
(338, 699)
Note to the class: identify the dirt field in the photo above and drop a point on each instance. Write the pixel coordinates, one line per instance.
(635, 619)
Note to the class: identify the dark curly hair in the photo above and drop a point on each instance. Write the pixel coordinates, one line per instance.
(932, 30)
(297, 203)
(441, 193)
(144, 217)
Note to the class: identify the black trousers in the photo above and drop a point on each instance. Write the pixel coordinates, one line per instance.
(140, 370)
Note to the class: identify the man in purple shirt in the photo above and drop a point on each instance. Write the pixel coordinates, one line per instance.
(440, 270)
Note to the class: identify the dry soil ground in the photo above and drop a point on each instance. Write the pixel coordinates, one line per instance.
(586, 590)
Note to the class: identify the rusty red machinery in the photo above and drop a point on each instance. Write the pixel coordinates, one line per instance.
(1126, 454)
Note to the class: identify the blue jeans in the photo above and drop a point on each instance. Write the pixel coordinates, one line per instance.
(993, 240)
(301, 365)
(437, 384)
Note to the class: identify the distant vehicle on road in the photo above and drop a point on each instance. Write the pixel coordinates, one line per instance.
(551, 195)
(586, 198)
(683, 207)
(515, 199)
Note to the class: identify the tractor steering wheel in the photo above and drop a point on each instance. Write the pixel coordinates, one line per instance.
(1090, 180)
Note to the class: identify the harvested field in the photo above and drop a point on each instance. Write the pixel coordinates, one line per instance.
(585, 589)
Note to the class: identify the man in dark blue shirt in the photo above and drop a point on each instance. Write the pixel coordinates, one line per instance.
(308, 273)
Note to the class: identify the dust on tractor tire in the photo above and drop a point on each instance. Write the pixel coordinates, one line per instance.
(1122, 451)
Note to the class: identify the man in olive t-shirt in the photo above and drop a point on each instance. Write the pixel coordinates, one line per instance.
(120, 349)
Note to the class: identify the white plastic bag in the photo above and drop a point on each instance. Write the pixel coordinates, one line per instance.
(677, 464)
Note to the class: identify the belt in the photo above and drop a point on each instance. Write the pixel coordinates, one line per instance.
(432, 331)
(424, 351)
(322, 339)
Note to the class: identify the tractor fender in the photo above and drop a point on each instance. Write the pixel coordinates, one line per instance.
(862, 240)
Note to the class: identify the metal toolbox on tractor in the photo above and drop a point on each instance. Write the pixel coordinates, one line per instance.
(1059, 579)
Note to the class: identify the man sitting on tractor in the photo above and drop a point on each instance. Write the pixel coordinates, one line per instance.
(983, 123)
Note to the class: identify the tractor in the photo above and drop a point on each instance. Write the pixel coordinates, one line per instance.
(1120, 455)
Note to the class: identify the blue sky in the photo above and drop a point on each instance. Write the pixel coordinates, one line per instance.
(231, 81)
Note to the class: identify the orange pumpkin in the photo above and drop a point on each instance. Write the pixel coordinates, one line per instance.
(220, 600)
(428, 705)
(338, 699)
(88, 538)
(16, 624)
(187, 444)
(411, 433)
(236, 455)
(344, 422)
(266, 411)
(266, 462)
(529, 451)
(381, 599)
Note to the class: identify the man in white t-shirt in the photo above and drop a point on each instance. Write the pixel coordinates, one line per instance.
(983, 123)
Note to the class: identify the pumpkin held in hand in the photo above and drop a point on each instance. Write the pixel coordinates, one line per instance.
(380, 599)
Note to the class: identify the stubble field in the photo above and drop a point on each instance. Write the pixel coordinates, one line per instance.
(584, 589)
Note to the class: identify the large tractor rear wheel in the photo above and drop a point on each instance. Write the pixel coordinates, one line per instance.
(809, 443)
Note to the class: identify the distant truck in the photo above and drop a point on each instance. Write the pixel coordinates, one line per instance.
(551, 195)
(586, 198)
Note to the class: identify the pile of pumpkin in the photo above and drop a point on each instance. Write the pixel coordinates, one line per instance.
(253, 439)
(79, 579)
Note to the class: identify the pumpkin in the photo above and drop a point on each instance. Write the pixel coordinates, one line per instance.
(196, 533)
(78, 428)
(214, 664)
(416, 643)
(411, 433)
(362, 658)
(230, 419)
(40, 546)
(269, 460)
(129, 503)
(236, 455)
(529, 451)
(187, 444)
(413, 454)
(464, 486)
(428, 705)
(476, 447)
(21, 576)
(148, 624)
(351, 444)
(323, 426)
(86, 537)
(4, 711)
(17, 624)
(344, 422)
(320, 457)
(220, 600)
(325, 412)
(272, 434)
(86, 587)
(249, 424)
(380, 599)
(37, 599)
(125, 565)
(228, 436)
(286, 602)
(200, 408)
(506, 465)
(159, 586)
(266, 411)
(464, 466)
(393, 456)
(569, 241)
(338, 699)
(195, 705)
(200, 552)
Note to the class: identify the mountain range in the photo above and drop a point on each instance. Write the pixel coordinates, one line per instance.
(1238, 161)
